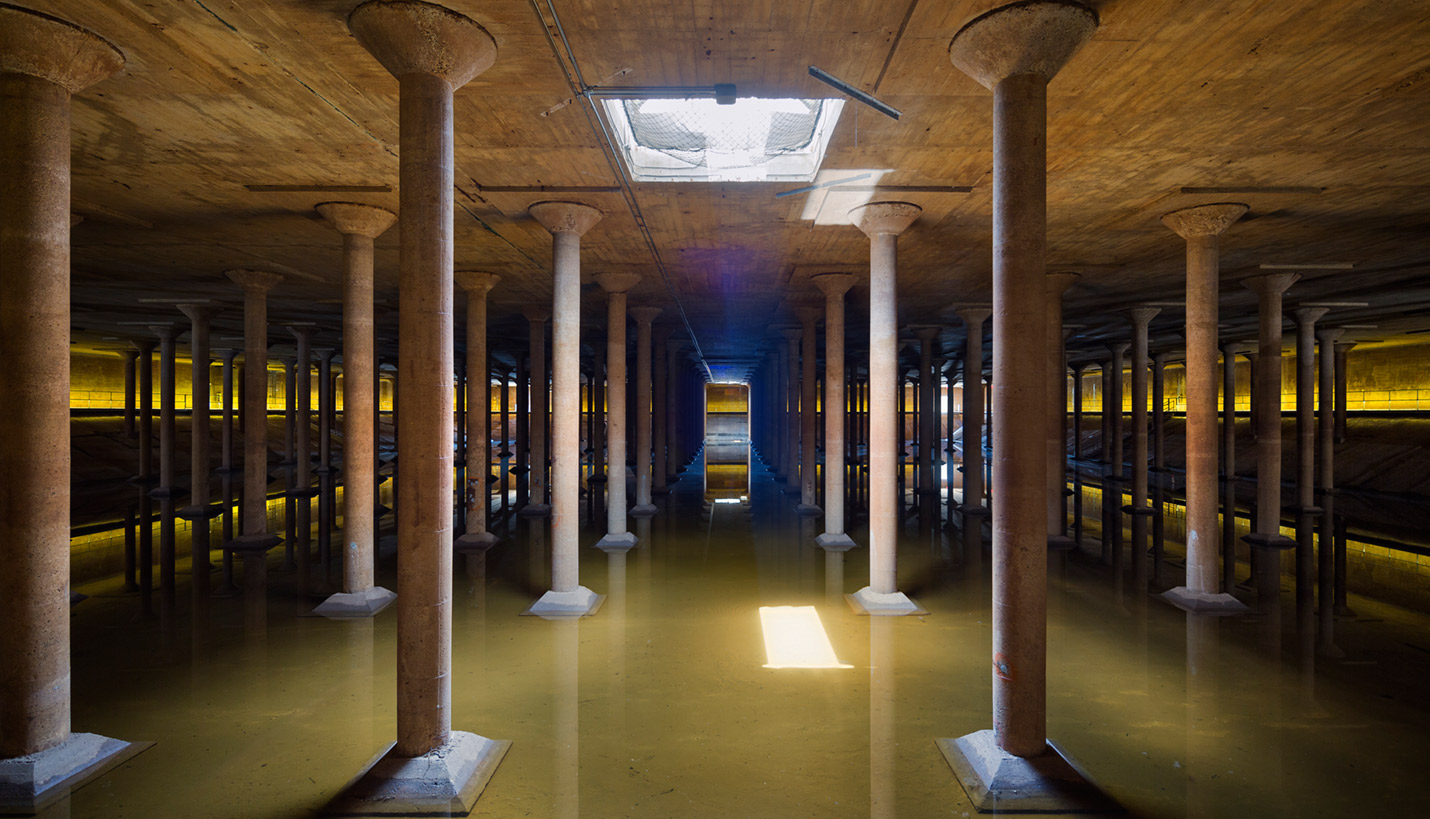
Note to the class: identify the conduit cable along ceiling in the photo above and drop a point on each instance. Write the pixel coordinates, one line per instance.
(580, 90)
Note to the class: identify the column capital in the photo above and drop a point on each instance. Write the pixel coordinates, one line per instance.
(536, 314)
(1118, 348)
(302, 332)
(254, 281)
(37, 45)
(1309, 315)
(325, 354)
(1271, 284)
(164, 330)
(834, 284)
(617, 282)
(1204, 220)
(1060, 280)
(644, 315)
(476, 282)
(884, 218)
(565, 217)
(1142, 316)
(198, 312)
(974, 314)
(357, 219)
(226, 354)
(411, 37)
(130, 353)
(809, 314)
(1029, 37)
(1331, 335)
(791, 333)
(926, 332)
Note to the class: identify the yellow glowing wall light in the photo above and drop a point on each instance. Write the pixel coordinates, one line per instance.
(794, 638)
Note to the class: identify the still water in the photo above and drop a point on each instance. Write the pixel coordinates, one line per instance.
(661, 704)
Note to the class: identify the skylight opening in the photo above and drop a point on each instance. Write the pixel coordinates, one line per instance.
(698, 140)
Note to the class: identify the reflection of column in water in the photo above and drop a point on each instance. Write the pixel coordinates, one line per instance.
(834, 577)
(615, 613)
(642, 572)
(1306, 601)
(882, 744)
(131, 555)
(1159, 537)
(477, 580)
(1342, 608)
(146, 552)
(1077, 509)
(808, 569)
(1202, 705)
(167, 557)
(536, 551)
(326, 504)
(360, 637)
(567, 644)
(255, 593)
(1326, 644)
(227, 588)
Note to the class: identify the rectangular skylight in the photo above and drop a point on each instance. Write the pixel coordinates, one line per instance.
(698, 140)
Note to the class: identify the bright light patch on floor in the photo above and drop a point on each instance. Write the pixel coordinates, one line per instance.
(698, 140)
(794, 638)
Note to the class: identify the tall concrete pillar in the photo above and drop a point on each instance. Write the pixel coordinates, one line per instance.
(1266, 539)
(254, 539)
(779, 360)
(43, 62)
(567, 221)
(882, 222)
(523, 417)
(834, 286)
(808, 502)
(536, 486)
(616, 285)
(1057, 283)
(198, 511)
(478, 419)
(432, 51)
(131, 357)
(598, 415)
(226, 356)
(1078, 368)
(643, 316)
(146, 347)
(793, 409)
(1139, 509)
(1159, 402)
(661, 388)
(1326, 482)
(675, 431)
(359, 225)
(1229, 352)
(1201, 227)
(927, 428)
(1306, 509)
(167, 334)
(302, 484)
(972, 506)
(1015, 50)
(1112, 409)
(1343, 350)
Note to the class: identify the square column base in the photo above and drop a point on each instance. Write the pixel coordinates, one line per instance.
(868, 601)
(29, 784)
(366, 603)
(444, 782)
(1204, 602)
(534, 510)
(835, 543)
(643, 510)
(998, 782)
(479, 542)
(622, 542)
(579, 602)
(808, 510)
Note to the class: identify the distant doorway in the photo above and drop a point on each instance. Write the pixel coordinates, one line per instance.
(727, 443)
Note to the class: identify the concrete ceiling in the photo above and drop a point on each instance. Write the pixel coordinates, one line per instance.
(233, 118)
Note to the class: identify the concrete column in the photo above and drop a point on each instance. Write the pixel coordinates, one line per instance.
(1201, 226)
(1077, 371)
(1112, 408)
(792, 422)
(167, 334)
(598, 416)
(303, 446)
(567, 222)
(1159, 402)
(808, 502)
(130, 357)
(660, 401)
(226, 355)
(1056, 284)
(643, 316)
(675, 433)
(616, 285)
(1139, 508)
(359, 225)
(198, 512)
(326, 404)
(1326, 482)
(1014, 51)
(1266, 538)
(1343, 349)
(537, 505)
(432, 51)
(254, 540)
(43, 62)
(882, 222)
(523, 416)
(780, 363)
(476, 538)
(834, 286)
(1306, 509)
(927, 434)
(1229, 351)
(146, 410)
(972, 506)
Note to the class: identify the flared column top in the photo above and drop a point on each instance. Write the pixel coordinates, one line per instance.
(1027, 37)
(412, 37)
(38, 45)
(357, 219)
(565, 217)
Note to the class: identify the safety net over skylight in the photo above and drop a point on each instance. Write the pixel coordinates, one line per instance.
(755, 139)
